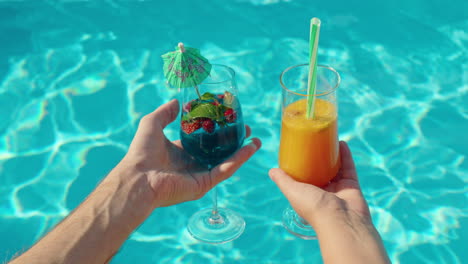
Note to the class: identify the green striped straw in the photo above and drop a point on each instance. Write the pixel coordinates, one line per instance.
(313, 43)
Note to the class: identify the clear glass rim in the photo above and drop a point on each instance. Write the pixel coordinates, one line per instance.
(338, 80)
(228, 69)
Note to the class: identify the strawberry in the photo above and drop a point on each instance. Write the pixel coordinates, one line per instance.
(190, 127)
(208, 125)
(230, 115)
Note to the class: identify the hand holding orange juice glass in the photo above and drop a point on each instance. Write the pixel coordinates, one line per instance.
(309, 149)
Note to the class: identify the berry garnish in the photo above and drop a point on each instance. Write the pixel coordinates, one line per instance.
(190, 127)
(230, 115)
(187, 107)
(220, 96)
(208, 125)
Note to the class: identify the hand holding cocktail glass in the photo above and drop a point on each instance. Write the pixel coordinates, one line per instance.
(211, 130)
(172, 173)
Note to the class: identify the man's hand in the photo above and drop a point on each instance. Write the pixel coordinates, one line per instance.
(172, 173)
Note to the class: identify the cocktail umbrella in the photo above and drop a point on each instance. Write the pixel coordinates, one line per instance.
(185, 67)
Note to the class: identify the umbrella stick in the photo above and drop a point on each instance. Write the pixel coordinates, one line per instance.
(198, 92)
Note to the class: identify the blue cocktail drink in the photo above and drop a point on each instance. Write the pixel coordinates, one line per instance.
(213, 148)
(212, 130)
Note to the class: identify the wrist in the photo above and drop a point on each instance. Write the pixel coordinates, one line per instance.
(132, 185)
(100, 225)
(343, 222)
(355, 235)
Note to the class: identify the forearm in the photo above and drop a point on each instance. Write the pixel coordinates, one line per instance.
(351, 241)
(97, 228)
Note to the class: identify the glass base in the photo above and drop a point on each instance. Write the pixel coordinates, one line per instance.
(297, 226)
(227, 227)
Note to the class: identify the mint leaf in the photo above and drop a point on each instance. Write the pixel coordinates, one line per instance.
(206, 110)
(194, 104)
(207, 96)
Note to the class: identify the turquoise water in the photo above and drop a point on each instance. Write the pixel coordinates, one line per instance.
(76, 76)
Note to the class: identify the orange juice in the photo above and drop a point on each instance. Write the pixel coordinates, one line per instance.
(309, 147)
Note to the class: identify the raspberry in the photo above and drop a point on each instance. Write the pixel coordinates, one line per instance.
(230, 115)
(215, 103)
(208, 125)
(190, 127)
(220, 96)
(187, 107)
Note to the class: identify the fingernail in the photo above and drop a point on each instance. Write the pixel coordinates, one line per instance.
(252, 143)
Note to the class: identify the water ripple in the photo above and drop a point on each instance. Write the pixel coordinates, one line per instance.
(73, 96)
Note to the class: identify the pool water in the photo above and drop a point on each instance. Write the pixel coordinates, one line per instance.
(76, 77)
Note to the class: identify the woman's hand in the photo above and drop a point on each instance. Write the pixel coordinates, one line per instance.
(338, 213)
(340, 199)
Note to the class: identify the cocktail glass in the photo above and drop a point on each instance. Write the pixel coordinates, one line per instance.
(212, 129)
(309, 150)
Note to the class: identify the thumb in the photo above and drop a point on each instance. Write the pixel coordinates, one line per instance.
(303, 197)
(166, 113)
(151, 126)
(282, 180)
(288, 186)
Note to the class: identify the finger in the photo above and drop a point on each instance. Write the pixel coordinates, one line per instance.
(303, 197)
(227, 168)
(348, 170)
(290, 187)
(248, 131)
(166, 113)
(177, 143)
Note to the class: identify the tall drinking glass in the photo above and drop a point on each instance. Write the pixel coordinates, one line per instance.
(309, 150)
(212, 129)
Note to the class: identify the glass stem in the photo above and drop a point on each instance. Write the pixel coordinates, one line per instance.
(303, 221)
(215, 217)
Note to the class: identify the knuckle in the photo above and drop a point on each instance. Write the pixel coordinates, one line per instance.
(145, 120)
